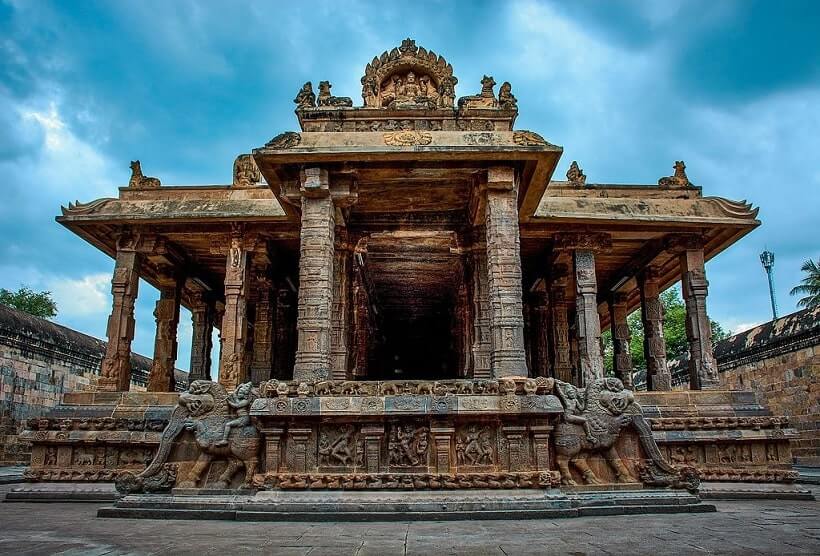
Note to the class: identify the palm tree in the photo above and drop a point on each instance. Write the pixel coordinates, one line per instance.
(809, 286)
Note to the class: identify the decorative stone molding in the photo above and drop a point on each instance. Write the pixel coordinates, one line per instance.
(286, 140)
(525, 138)
(407, 138)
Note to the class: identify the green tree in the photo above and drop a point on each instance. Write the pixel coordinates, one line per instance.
(674, 332)
(809, 286)
(34, 303)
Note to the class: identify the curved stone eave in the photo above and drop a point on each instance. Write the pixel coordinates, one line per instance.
(116, 210)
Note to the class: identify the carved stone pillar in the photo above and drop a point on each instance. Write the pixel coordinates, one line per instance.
(202, 315)
(621, 335)
(654, 346)
(232, 363)
(166, 312)
(703, 371)
(283, 334)
(583, 247)
(116, 366)
(298, 445)
(262, 360)
(559, 330)
(539, 331)
(315, 277)
(341, 311)
(504, 273)
(482, 338)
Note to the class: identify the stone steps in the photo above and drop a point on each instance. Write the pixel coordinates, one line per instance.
(403, 506)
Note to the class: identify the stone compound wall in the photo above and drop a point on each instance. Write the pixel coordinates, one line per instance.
(780, 360)
(39, 362)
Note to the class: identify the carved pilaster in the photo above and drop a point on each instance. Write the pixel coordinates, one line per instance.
(482, 335)
(559, 330)
(504, 273)
(232, 363)
(373, 436)
(202, 315)
(116, 366)
(315, 277)
(541, 446)
(166, 313)
(703, 371)
(654, 346)
(340, 320)
(515, 448)
(298, 444)
(284, 334)
(442, 434)
(273, 448)
(262, 362)
(621, 335)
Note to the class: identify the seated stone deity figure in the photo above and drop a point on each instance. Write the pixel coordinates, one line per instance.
(240, 401)
(574, 405)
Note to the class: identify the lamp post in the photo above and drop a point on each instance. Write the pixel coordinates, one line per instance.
(767, 258)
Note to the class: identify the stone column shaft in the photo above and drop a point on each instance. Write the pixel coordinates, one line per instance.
(234, 330)
(703, 371)
(504, 274)
(161, 378)
(340, 315)
(621, 335)
(202, 315)
(539, 331)
(589, 323)
(559, 333)
(315, 278)
(654, 345)
(482, 337)
(116, 366)
(262, 361)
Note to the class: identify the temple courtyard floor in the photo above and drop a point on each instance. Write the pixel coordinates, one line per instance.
(738, 527)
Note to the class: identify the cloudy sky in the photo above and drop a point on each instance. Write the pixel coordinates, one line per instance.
(731, 87)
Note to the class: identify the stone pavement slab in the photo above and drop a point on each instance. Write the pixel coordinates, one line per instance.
(738, 527)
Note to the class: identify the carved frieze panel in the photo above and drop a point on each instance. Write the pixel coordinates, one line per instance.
(408, 445)
(476, 446)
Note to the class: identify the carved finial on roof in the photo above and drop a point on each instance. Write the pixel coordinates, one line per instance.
(485, 99)
(305, 98)
(245, 171)
(679, 179)
(408, 47)
(506, 99)
(326, 99)
(138, 180)
(575, 175)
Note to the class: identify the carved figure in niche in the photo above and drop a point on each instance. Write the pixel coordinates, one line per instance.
(338, 451)
(51, 456)
(240, 402)
(474, 447)
(83, 458)
(485, 99)
(245, 171)
(679, 179)
(326, 99)
(447, 91)
(506, 99)
(140, 181)
(408, 445)
(305, 97)
(575, 175)
(205, 411)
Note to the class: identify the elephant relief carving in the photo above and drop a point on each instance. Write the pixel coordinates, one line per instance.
(221, 427)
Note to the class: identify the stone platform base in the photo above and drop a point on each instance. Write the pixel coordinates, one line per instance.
(754, 491)
(63, 492)
(403, 506)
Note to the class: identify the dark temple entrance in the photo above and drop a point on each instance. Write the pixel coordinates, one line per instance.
(418, 297)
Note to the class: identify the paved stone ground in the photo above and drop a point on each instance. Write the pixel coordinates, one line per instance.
(748, 527)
